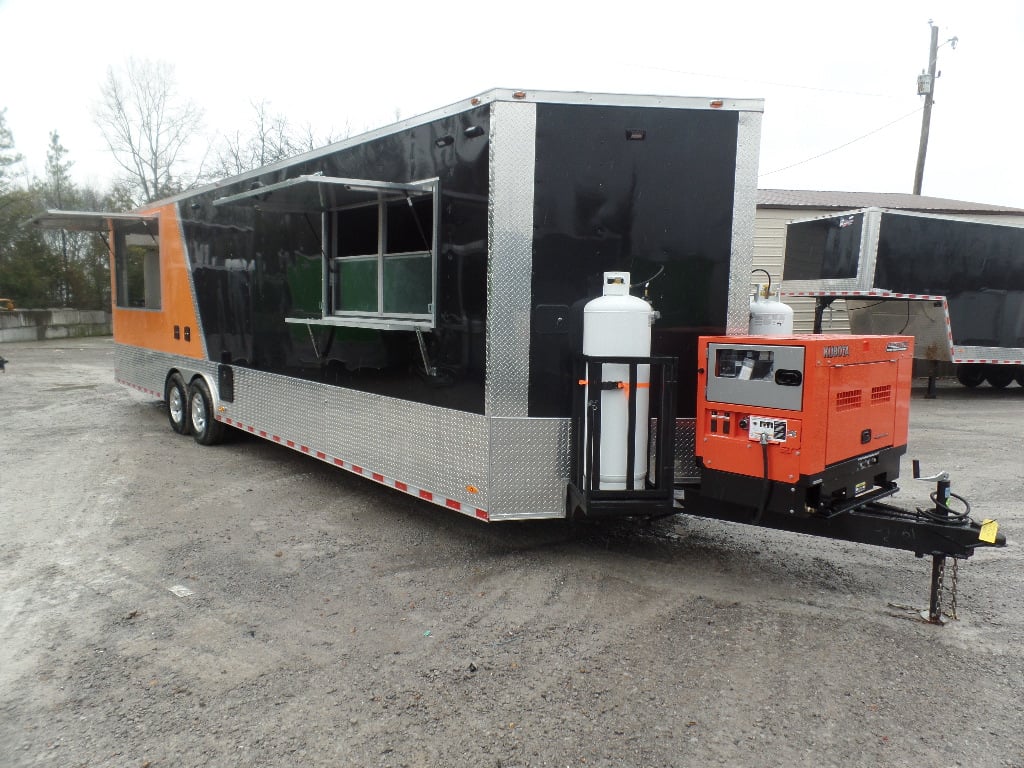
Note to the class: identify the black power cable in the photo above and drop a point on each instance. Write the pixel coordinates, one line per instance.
(765, 482)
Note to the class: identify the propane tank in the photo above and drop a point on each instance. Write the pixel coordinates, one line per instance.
(769, 316)
(619, 325)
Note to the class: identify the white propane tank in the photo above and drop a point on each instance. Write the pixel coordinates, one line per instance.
(619, 325)
(769, 316)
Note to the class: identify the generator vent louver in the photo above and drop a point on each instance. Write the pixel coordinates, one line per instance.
(881, 394)
(848, 400)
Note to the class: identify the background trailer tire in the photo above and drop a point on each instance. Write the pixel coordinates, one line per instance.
(970, 374)
(205, 428)
(999, 376)
(176, 403)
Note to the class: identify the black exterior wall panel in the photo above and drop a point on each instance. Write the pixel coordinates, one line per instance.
(978, 267)
(252, 269)
(604, 201)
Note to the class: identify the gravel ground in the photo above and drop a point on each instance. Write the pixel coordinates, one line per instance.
(166, 604)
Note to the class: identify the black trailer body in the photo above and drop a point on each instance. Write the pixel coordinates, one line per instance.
(406, 304)
(956, 285)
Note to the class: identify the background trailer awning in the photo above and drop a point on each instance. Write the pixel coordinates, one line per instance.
(96, 221)
(309, 193)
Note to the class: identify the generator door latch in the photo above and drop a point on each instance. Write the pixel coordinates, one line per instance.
(865, 437)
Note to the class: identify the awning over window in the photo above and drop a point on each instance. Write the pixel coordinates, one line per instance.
(96, 221)
(305, 194)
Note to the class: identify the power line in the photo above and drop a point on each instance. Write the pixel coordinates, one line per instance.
(836, 149)
(767, 82)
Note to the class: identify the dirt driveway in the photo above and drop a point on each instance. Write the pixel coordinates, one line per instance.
(165, 604)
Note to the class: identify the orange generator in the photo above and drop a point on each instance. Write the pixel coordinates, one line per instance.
(802, 425)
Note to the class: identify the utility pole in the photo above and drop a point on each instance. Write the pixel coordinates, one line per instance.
(926, 88)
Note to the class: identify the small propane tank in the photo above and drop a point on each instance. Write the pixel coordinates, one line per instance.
(617, 324)
(769, 316)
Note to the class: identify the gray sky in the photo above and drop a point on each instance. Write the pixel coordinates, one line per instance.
(829, 72)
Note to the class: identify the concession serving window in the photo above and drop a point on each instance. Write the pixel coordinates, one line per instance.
(379, 247)
(136, 250)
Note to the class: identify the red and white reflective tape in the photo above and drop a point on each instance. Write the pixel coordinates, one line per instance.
(989, 361)
(877, 294)
(157, 395)
(420, 493)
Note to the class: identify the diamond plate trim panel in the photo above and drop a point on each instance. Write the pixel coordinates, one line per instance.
(510, 257)
(1008, 355)
(920, 318)
(744, 208)
(869, 250)
(436, 449)
(530, 465)
(685, 467)
(146, 370)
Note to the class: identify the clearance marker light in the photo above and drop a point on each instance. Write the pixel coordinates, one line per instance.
(717, 104)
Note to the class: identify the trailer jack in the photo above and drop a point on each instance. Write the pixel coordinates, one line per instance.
(940, 513)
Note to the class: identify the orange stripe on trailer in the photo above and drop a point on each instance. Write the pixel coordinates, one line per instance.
(154, 328)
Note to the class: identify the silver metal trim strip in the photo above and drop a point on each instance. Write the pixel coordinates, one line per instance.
(744, 210)
(510, 258)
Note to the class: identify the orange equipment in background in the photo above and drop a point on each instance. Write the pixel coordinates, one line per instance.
(802, 425)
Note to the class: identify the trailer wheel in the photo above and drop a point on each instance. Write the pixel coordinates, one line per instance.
(999, 376)
(1020, 375)
(970, 375)
(205, 428)
(176, 400)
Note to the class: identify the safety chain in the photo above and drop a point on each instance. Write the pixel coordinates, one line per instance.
(952, 597)
(941, 586)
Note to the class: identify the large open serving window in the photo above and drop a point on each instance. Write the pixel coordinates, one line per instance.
(136, 250)
(379, 247)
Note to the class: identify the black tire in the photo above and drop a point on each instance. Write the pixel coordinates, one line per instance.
(970, 375)
(1020, 375)
(205, 428)
(176, 404)
(999, 376)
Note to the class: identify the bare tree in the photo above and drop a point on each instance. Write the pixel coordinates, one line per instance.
(147, 126)
(272, 138)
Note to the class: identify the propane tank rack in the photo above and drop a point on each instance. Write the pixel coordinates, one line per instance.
(655, 498)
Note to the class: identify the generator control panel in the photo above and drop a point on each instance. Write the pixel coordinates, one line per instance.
(767, 375)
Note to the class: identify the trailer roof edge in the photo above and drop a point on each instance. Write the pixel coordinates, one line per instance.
(487, 97)
(970, 217)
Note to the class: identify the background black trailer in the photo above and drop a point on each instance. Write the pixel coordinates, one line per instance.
(956, 285)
